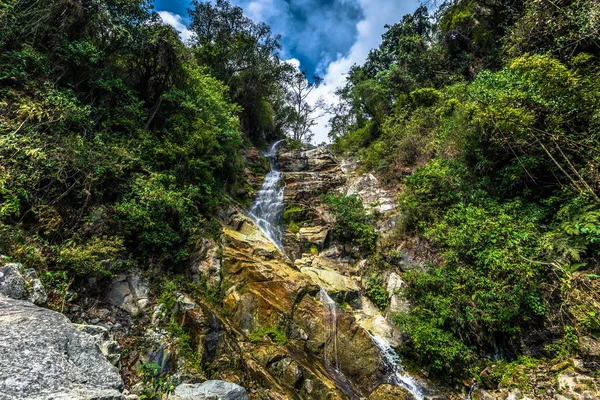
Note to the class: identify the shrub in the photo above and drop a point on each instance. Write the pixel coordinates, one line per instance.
(352, 224)
(376, 292)
(98, 257)
(277, 334)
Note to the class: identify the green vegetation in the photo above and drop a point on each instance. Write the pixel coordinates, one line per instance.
(494, 118)
(352, 224)
(277, 334)
(118, 141)
(154, 385)
(376, 292)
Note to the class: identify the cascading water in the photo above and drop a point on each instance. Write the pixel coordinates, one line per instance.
(397, 374)
(471, 390)
(331, 359)
(330, 322)
(266, 211)
(267, 208)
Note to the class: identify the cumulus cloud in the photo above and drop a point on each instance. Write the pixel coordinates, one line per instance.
(328, 37)
(376, 15)
(312, 30)
(177, 22)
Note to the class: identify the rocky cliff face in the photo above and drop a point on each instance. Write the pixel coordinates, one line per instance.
(269, 292)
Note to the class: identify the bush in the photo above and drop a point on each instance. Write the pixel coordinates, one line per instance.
(160, 216)
(376, 292)
(438, 350)
(352, 224)
(98, 257)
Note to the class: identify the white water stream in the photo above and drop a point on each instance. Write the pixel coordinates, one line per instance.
(266, 211)
(330, 352)
(397, 375)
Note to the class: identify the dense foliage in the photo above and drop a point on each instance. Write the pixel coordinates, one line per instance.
(492, 109)
(352, 223)
(118, 140)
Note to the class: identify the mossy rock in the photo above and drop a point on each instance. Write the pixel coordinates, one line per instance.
(391, 392)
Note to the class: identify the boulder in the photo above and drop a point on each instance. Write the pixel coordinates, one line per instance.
(12, 283)
(373, 196)
(209, 390)
(129, 293)
(314, 235)
(340, 287)
(45, 356)
(316, 160)
(205, 261)
(391, 392)
(36, 292)
(109, 347)
(397, 302)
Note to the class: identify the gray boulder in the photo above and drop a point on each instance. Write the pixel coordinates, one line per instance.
(129, 293)
(36, 293)
(44, 356)
(210, 390)
(12, 283)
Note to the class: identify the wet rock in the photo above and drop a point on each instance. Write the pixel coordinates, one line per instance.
(209, 390)
(350, 339)
(369, 318)
(340, 287)
(129, 293)
(391, 392)
(44, 356)
(12, 283)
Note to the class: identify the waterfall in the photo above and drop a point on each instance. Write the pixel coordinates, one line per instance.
(267, 208)
(397, 374)
(471, 390)
(266, 211)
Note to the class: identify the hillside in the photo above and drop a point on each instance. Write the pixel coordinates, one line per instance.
(166, 231)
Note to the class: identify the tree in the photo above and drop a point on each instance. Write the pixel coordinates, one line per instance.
(244, 55)
(304, 115)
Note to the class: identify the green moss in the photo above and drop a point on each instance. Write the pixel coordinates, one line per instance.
(292, 213)
(276, 334)
(293, 227)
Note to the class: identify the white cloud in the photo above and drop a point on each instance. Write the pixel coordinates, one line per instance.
(176, 22)
(376, 15)
(294, 62)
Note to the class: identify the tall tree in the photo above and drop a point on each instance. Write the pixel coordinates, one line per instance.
(304, 115)
(244, 55)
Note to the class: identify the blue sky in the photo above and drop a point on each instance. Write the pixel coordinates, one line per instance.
(323, 37)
